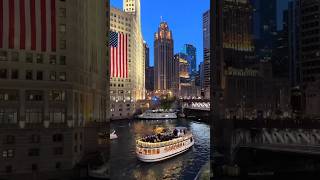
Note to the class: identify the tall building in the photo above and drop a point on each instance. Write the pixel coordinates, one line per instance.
(184, 75)
(146, 55)
(149, 71)
(163, 58)
(293, 36)
(191, 53)
(264, 26)
(206, 54)
(309, 40)
(127, 63)
(53, 85)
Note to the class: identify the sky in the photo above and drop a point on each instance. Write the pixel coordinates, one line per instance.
(184, 18)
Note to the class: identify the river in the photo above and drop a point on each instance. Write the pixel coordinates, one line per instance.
(125, 165)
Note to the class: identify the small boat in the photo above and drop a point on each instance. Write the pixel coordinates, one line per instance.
(113, 135)
(101, 172)
(158, 114)
(164, 144)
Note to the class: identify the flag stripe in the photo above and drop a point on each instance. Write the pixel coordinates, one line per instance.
(53, 25)
(126, 55)
(33, 24)
(22, 25)
(11, 24)
(43, 26)
(121, 53)
(1, 23)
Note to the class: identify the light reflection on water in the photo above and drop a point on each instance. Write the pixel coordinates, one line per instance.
(125, 165)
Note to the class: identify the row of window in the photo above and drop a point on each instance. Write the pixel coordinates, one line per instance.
(34, 167)
(32, 75)
(35, 138)
(32, 95)
(32, 57)
(10, 153)
(33, 116)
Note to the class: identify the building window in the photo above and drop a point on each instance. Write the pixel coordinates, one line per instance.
(3, 73)
(63, 44)
(34, 95)
(57, 95)
(39, 58)
(39, 75)
(62, 60)
(14, 74)
(29, 75)
(63, 12)
(34, 116)
(14, 56)
(58, 165)
(35, 139)
(62, 76)
(53, 59)
(8, 153)
(57, 115)
(34, 167)
(34, 152)
(52, 76)
(8, 116)
(29, 58)
(62, 28)
(8, 169)
(58, 151)
(57, 138)
(3, 56)
(9, 139)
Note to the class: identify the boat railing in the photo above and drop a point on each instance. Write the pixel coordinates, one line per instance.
(162, 144)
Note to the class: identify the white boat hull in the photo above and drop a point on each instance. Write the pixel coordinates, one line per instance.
(164, 154)
(158, 116)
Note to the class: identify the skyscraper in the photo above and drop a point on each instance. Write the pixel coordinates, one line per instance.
(127, 61)
(53, 85)
(191, 53)
(293, 36)
(163, 58)
(206, 53)
(265, 26)
(309, 41)
(149, 71)
(146, 55)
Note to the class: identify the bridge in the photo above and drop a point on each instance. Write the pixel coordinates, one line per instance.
(289, 136)
(196, 108)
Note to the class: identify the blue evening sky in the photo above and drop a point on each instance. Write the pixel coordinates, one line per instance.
(184, 18)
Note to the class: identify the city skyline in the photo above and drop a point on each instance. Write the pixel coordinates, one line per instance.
(176, 16)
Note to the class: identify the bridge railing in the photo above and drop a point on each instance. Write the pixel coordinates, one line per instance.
(278, 124)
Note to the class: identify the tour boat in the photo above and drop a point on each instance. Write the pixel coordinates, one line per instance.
(113, 135)
(158, 114)
(164, 144)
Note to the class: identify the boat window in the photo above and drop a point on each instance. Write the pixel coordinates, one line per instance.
(158, 151)
(153, 151)
(145, 151)
(149, 151)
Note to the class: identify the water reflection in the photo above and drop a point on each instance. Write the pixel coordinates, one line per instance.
(125, 165)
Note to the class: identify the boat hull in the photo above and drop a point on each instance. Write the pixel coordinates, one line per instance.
(158, 116)
(165, 154)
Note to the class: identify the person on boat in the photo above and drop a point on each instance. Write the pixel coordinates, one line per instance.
(175, 132)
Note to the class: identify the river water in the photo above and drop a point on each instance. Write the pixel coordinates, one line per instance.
(125, 165)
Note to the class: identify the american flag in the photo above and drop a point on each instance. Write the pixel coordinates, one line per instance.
(28, 24)
(119, 54)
